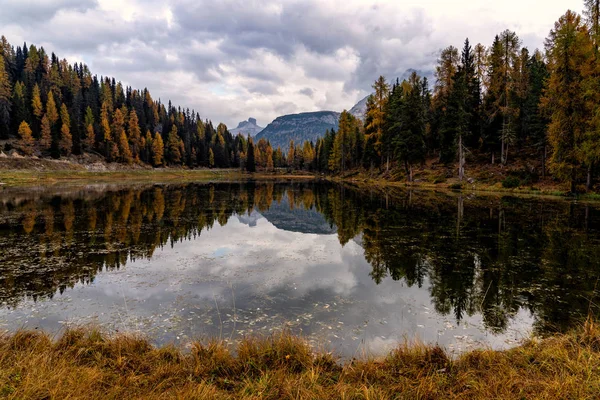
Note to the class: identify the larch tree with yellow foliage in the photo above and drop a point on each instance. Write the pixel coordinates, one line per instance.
(66, 139)
(26, 141)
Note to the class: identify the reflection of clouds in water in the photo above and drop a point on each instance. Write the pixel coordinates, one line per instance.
(276, 276)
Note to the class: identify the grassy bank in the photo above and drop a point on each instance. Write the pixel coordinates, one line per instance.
(47, 178)
(86, 364)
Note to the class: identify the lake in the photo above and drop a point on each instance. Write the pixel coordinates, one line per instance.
(354, 271)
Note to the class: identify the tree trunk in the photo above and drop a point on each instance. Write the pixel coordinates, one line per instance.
(588, 183)
(408, 175)
(544, 162)
(492, 158)
(461, 160)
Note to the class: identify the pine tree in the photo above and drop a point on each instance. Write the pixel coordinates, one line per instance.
(45, 134)
(5, 100)
(134, 131)
(124, 149)
(375, 118)
(211, 158)
(51, 111)
(445, 118)
(270, 166)
(291, 155)
(90, 137)
(409, 142)
(26, 141)
(250, 161)
(173, 146)
(157, 150)
(20, 109)
(567, 52)
(36, 103)
(66, 140)
(340, 158)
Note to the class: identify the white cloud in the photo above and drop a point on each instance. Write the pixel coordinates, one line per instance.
(233, 59)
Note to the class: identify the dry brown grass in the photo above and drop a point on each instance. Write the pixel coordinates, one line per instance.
(87, 364)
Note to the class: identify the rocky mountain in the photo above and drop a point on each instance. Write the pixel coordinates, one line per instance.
(299, 128)
(360, 109)
(247, 128)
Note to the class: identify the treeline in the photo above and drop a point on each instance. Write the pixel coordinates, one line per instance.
(498, 102)
(59, 109)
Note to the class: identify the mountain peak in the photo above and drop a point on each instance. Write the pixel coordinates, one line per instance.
(249, 127)
(360, 109)
(299, 128)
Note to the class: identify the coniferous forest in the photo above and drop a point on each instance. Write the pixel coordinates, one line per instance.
(490, 104)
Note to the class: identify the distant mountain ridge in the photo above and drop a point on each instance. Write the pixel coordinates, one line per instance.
(305, 126)
(360, 109)
(246, 128)
(299, 128)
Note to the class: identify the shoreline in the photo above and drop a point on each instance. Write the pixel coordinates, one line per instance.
(85, 363)
(24, 178)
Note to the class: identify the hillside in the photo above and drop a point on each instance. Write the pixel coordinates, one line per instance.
(299, 128)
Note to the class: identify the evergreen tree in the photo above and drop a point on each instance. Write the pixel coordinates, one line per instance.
(36, 103)
(211, 158)
(173, 146)
(250, 160)
(5, 100)
(51, 111)
(66, 139)
(45, 134)
(134, 131)
(375, 120)
(157, 150)
(26, 141)
(567, 52)
(410, 125)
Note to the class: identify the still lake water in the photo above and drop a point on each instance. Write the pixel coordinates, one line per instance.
(352, 271)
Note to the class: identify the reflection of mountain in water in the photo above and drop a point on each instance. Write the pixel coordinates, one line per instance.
(492, 256)
(298, 219)
(249, 218)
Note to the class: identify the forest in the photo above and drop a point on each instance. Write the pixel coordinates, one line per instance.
(488, 105)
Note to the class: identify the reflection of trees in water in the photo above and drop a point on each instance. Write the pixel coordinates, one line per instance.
(490, 256)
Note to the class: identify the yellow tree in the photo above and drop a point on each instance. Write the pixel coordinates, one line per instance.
(174, 146)
(269, 152)
(158, 150)
(567, 48)
(291, 155)
(66, 140)
(375, 117)
(5, 99)
(124, 149)
(36, 102)
(135, 133)
(211, 158)
(26, 139)
(51, 111)
(45, 134)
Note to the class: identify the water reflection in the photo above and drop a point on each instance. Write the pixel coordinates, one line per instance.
(342, 266)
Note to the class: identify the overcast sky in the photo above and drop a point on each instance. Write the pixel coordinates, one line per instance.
(234, 59)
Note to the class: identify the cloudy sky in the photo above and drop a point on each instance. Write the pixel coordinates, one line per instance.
(234, 59)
